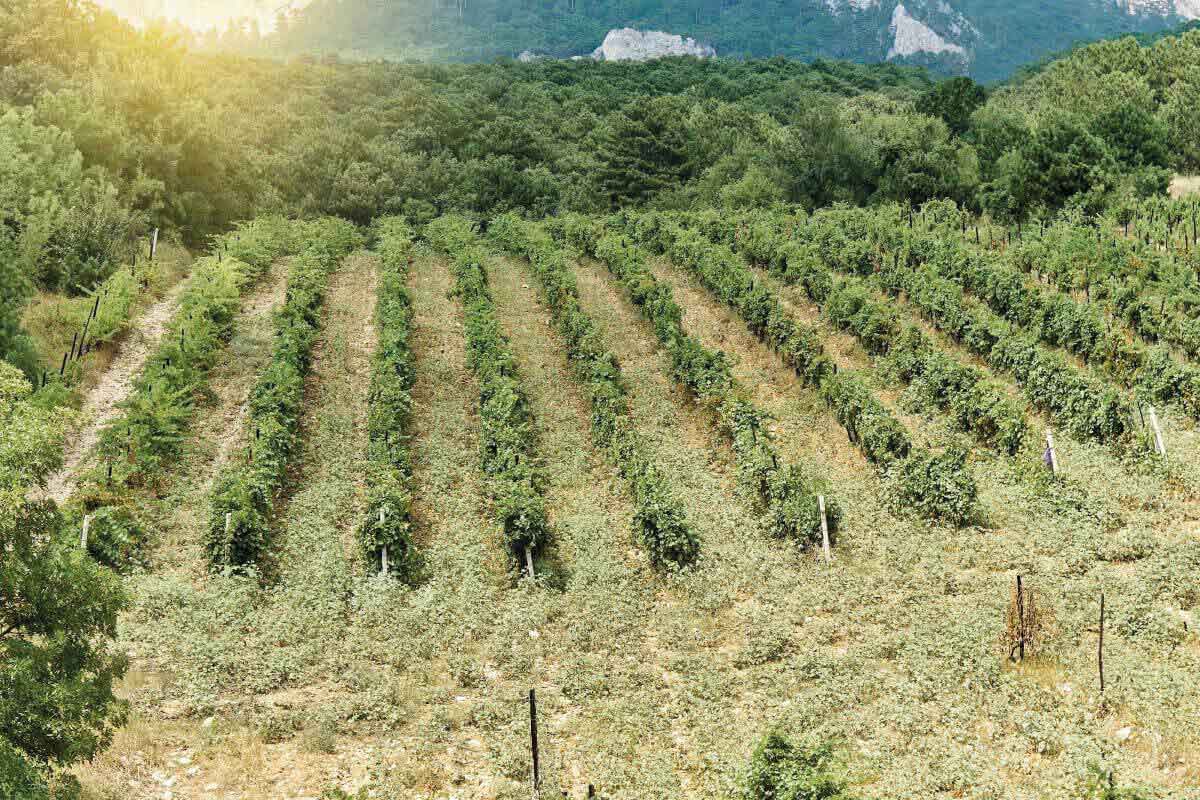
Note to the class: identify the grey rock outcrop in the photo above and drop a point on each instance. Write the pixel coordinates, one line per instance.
(629, 44)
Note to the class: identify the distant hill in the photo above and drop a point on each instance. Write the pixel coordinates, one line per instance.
(986, 39)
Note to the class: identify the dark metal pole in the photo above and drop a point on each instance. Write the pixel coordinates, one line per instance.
(533, 742)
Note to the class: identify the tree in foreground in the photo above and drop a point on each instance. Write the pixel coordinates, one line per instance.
(58, 614)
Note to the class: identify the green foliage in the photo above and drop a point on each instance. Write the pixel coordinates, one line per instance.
(388, 523)
(953, 101)
(899, 261)
(245, 493)
(781, 770)
(150, 431)
(15, 345)
(786, 494)
(642, 150)
(938, 485)
(659, 522)
(1059, 320)
(58, 612)
(508, 450)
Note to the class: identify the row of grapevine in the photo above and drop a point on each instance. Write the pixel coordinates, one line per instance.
(1062, 321)
(939, 486)
(1140, 263)
(509, 462)
(976, 404)
(787, 494)
(869, 244)
(385, 535)
(243, 501)
(149, 432)
(660, 526)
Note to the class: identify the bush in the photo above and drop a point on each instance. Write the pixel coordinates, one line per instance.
(781, 770)
(879, 435)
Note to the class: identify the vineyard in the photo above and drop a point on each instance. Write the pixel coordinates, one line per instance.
(758, 430)
(692, 477)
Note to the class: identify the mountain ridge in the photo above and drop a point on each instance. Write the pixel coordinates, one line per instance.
(982, 38)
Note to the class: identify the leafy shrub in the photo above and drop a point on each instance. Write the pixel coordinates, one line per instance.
(150, 431)
(792, 254)
(938, 485)
(115, 537)
(781, 770)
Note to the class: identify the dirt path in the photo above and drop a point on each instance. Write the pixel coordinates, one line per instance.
(100, 407)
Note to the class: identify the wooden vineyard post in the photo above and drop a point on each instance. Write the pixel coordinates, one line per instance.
(529, 561)
(83, 537)
(1020, 620)
(383, 558)
(1051, 453)
(533, 743)
(1100, 646)
(1159, 447)
(824, 529)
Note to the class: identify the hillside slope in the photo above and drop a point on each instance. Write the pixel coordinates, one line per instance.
(984, 38)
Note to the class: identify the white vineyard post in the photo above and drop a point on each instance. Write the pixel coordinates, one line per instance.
(1053, 453)
(154, 244)
(83, 537)
(228, 524)
(1159, 447)
(824, 529)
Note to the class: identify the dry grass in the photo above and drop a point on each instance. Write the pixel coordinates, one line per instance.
(652, 686)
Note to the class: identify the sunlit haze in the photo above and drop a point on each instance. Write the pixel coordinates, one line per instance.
(202, 15)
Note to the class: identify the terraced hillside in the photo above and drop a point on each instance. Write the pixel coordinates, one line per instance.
(375, 486)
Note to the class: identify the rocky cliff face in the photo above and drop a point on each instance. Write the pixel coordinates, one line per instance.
(911, 36)
(628, 44)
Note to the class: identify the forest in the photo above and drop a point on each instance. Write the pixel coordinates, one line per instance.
(791, 426)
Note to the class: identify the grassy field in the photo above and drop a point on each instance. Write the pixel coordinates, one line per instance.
(325, 676)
